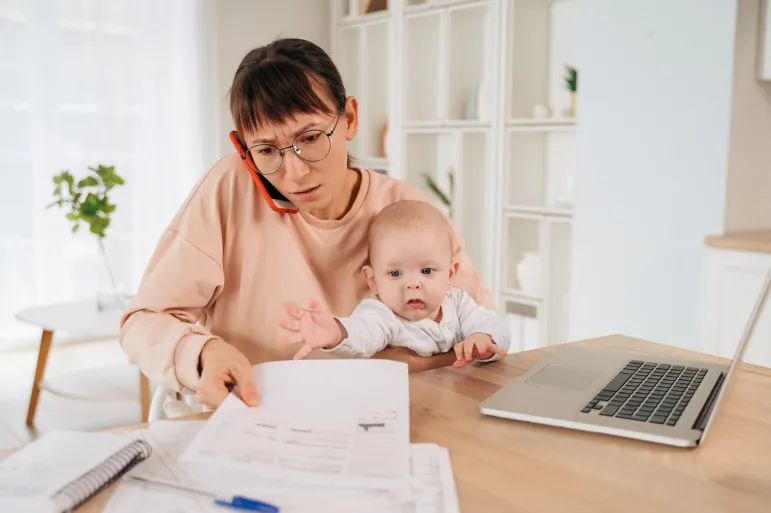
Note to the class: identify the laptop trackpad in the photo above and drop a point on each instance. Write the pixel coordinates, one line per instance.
(563, 377)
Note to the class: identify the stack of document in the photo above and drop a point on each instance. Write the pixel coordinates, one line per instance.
(329, 435)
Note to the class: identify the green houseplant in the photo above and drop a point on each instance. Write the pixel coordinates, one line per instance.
(444, 197)
(87, 201)
(571, 84)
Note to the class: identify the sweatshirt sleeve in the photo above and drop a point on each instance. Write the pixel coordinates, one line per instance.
(160, 331)
(371, 327)
(474, 318)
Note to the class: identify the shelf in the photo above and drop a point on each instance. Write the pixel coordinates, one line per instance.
(470, 194)
(543, 39)
(539, 211)
(412, 6)
(459, 125)
(375, 98)
(519, 297)
(433, 154)
(524, 323)
(350, 12)
(539, 170)
(558, 291)
(423, 47)
(523, 241)
(469, 63)
(540, 124)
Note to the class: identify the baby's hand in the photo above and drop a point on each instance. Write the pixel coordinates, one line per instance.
(478, 346)
(312, 327)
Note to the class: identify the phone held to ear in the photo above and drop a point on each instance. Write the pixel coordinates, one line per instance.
(276, 201)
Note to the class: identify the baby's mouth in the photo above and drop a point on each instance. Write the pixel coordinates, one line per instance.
(415, 303)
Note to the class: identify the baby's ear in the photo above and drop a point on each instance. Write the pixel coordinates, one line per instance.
(369, 276)
(453, 271)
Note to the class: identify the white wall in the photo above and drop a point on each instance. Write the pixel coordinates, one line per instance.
(245, 24)
(748, 198)
(655, 95)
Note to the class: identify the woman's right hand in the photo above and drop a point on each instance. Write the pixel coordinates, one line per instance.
(223, 367)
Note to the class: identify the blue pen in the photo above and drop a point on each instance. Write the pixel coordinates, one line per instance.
(243, 503)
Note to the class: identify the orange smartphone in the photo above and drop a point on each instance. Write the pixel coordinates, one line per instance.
(276, 201)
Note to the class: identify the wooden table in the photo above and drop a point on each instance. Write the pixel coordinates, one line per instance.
(83, 318)
(507, 466)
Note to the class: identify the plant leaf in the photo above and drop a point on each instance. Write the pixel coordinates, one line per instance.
(75, 228)
(88, 181)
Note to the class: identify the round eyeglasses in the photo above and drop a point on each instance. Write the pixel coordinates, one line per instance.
(311, 146)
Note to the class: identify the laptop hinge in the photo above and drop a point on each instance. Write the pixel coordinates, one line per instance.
(706, 411)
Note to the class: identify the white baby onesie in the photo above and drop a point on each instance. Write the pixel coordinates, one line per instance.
(372, 326)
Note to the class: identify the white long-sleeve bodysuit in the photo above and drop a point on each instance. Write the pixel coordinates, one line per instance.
(372, 326)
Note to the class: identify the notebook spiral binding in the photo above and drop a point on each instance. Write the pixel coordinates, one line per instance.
(99, 478)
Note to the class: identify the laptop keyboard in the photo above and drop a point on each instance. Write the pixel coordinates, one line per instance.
(648, 392)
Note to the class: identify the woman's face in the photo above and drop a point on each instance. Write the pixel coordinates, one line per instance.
(319, 187)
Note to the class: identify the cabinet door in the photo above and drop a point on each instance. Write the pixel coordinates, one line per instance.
(734, 280)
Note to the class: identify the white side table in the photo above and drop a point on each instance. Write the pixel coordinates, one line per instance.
(82, 318)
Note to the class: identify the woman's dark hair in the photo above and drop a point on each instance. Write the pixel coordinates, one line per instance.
(276, 81)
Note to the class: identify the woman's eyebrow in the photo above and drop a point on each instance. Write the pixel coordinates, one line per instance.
(272, 140)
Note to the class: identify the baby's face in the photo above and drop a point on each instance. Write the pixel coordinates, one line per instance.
(411, 271)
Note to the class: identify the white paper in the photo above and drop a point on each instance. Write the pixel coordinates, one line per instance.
(338, 423)
(30, 477)
(432, 489)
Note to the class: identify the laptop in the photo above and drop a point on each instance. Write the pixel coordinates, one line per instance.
(656, 399)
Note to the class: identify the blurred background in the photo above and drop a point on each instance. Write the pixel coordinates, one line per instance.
(607, 162)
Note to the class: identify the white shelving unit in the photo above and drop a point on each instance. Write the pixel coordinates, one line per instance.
(475, 87)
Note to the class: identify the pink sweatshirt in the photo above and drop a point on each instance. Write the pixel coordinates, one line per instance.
(227, 264)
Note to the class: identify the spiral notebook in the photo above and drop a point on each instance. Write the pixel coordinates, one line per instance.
(63, 469)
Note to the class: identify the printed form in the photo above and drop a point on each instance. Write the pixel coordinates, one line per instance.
(342, 423)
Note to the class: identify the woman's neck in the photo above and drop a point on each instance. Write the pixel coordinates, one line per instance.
(341, 204)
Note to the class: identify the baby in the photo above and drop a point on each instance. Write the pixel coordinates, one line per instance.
(413, 304)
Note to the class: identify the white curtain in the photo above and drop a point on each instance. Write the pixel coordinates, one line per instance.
(129, 83)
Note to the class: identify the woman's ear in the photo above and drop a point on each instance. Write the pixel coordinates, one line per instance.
(453, 271)
(369, 276)
(351, 114)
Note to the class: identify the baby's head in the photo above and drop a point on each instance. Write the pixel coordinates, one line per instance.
(410, 259)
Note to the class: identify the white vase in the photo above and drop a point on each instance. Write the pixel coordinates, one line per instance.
(529, 273)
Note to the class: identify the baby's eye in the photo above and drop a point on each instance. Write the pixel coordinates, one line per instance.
(427, 270)
(394, 274)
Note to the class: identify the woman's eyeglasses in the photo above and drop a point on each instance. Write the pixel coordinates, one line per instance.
(311, 146)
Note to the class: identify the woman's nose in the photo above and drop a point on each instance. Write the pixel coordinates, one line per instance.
(295, 167)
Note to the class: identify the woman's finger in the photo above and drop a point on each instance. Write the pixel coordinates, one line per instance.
(246, 385)
(291, 325)
(293, 311)
(292, 338)
(211, 391)
(303, 352)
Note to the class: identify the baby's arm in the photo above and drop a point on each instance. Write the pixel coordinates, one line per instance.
(368, 330)
(474, 318)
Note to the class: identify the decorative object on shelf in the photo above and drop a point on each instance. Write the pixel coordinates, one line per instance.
(541, 111)
(443, 197)
(384, 140)
(368, 6)
(529, 273)
(88, 202)
(571, 84)
(476, 104)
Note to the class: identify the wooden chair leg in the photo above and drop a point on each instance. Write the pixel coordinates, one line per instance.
(144, 392)
(42, 358)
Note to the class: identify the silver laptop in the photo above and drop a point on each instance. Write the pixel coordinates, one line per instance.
(663, 400)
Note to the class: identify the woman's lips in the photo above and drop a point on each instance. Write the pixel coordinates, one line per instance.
(307, 193)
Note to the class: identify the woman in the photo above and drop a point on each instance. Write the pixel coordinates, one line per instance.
(228, 264)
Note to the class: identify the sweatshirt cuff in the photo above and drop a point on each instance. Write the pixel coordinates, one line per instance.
(186, 358)
(344, 347)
